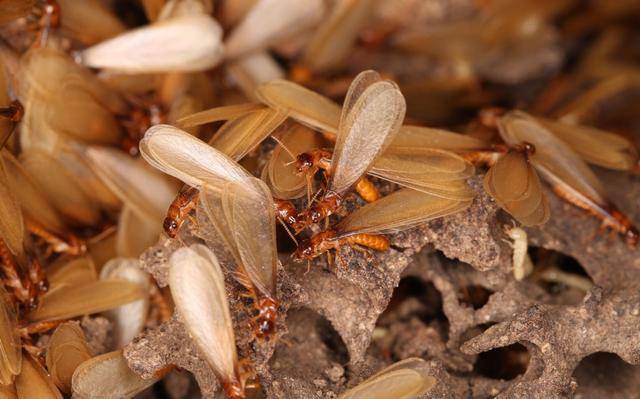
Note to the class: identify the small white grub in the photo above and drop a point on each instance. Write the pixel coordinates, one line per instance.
(522, 265)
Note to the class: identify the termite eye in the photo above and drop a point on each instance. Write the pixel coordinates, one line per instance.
(315, 215)
(171, 227)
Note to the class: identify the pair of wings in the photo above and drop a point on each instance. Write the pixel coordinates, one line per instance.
(239, 205)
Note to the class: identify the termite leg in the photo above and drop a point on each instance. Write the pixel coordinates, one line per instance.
(12, 279)
(38, 327)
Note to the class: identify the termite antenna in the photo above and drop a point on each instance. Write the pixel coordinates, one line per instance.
(287, 150)
(286, 228)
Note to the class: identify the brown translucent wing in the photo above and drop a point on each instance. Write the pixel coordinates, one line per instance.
(108, 376)
(34, 382)
(141, 188)
(33, 201)
(398, 211)
(254, 69)
(357, 87)
(10, 346)
(238, 137)
(250, 213)
(135, 233)
(14, 9)
(85, 299)
(280, 173)
(197, 288)
(60, 187)
(407, 379)
(333, 40)
(75, 272)
(301, 104)
(187, 158)
(436, 172)
(553, 157)
(515, 186)
(596, 146)
(368, 128)
(88, 21)
(411, 137)
(11, 221)
(67, 349)
(228, 112)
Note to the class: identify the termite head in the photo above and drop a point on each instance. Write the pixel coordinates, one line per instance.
(305, 250)
(171, 227)
(314, 246)
(304, 162)
(266, 320)
(234, 390)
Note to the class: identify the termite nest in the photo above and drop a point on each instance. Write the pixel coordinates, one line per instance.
(319, 199)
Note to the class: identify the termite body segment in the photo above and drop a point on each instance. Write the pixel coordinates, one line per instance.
(182, 205)
(326, 240)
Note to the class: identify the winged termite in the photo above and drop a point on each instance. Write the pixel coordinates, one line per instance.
(66, 350)
(398, 211)
(73, 301)
(333, 40)
(269, 21)
(224, 113)
(10, 346)
(595, 146)
(195, 46)
(303, 105)
(515, 186)
(197, 287)
(88, 112)
(568, 175)
(372, 113)
(244, 217)
(34, 382)
(412, 137)
(191, 160)
(129, 319)
(108, 376)
(406, 379)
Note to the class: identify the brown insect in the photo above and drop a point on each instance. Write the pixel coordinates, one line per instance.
(372, 113)
(568, 175)
(398, 211)
(180, 208)
(244, 217)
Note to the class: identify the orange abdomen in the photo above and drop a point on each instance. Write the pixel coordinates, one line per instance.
(377, 242)
(367, 190)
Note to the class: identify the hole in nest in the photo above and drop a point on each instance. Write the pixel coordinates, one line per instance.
(474, 295)
(414, 297)
(606, 375)
(560, 274)
(283, 240)
(311, 331)
(504, 363)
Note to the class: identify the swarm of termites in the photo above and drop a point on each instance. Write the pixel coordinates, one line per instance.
(319, 199)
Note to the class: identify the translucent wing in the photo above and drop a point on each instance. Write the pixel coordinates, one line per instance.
(436, 172)
(357, 87)
(228, 112)
(197, 287)
(333, 40)
(553, 157)
(10, 345)
(250, 213)
(78, 300)
(254, 69)
(515, 186)
(238, 137)
(67, 349)
(407, 379)
(400, 210)
(183, 156)
(11, 221)
(366, 130)
(596, 146)
(34, 382)
(411, 137)
(280, 173)
(269, 21)
(143, 189)
(33, 202)
(182, 44)
(300, 103)
(108, 376)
